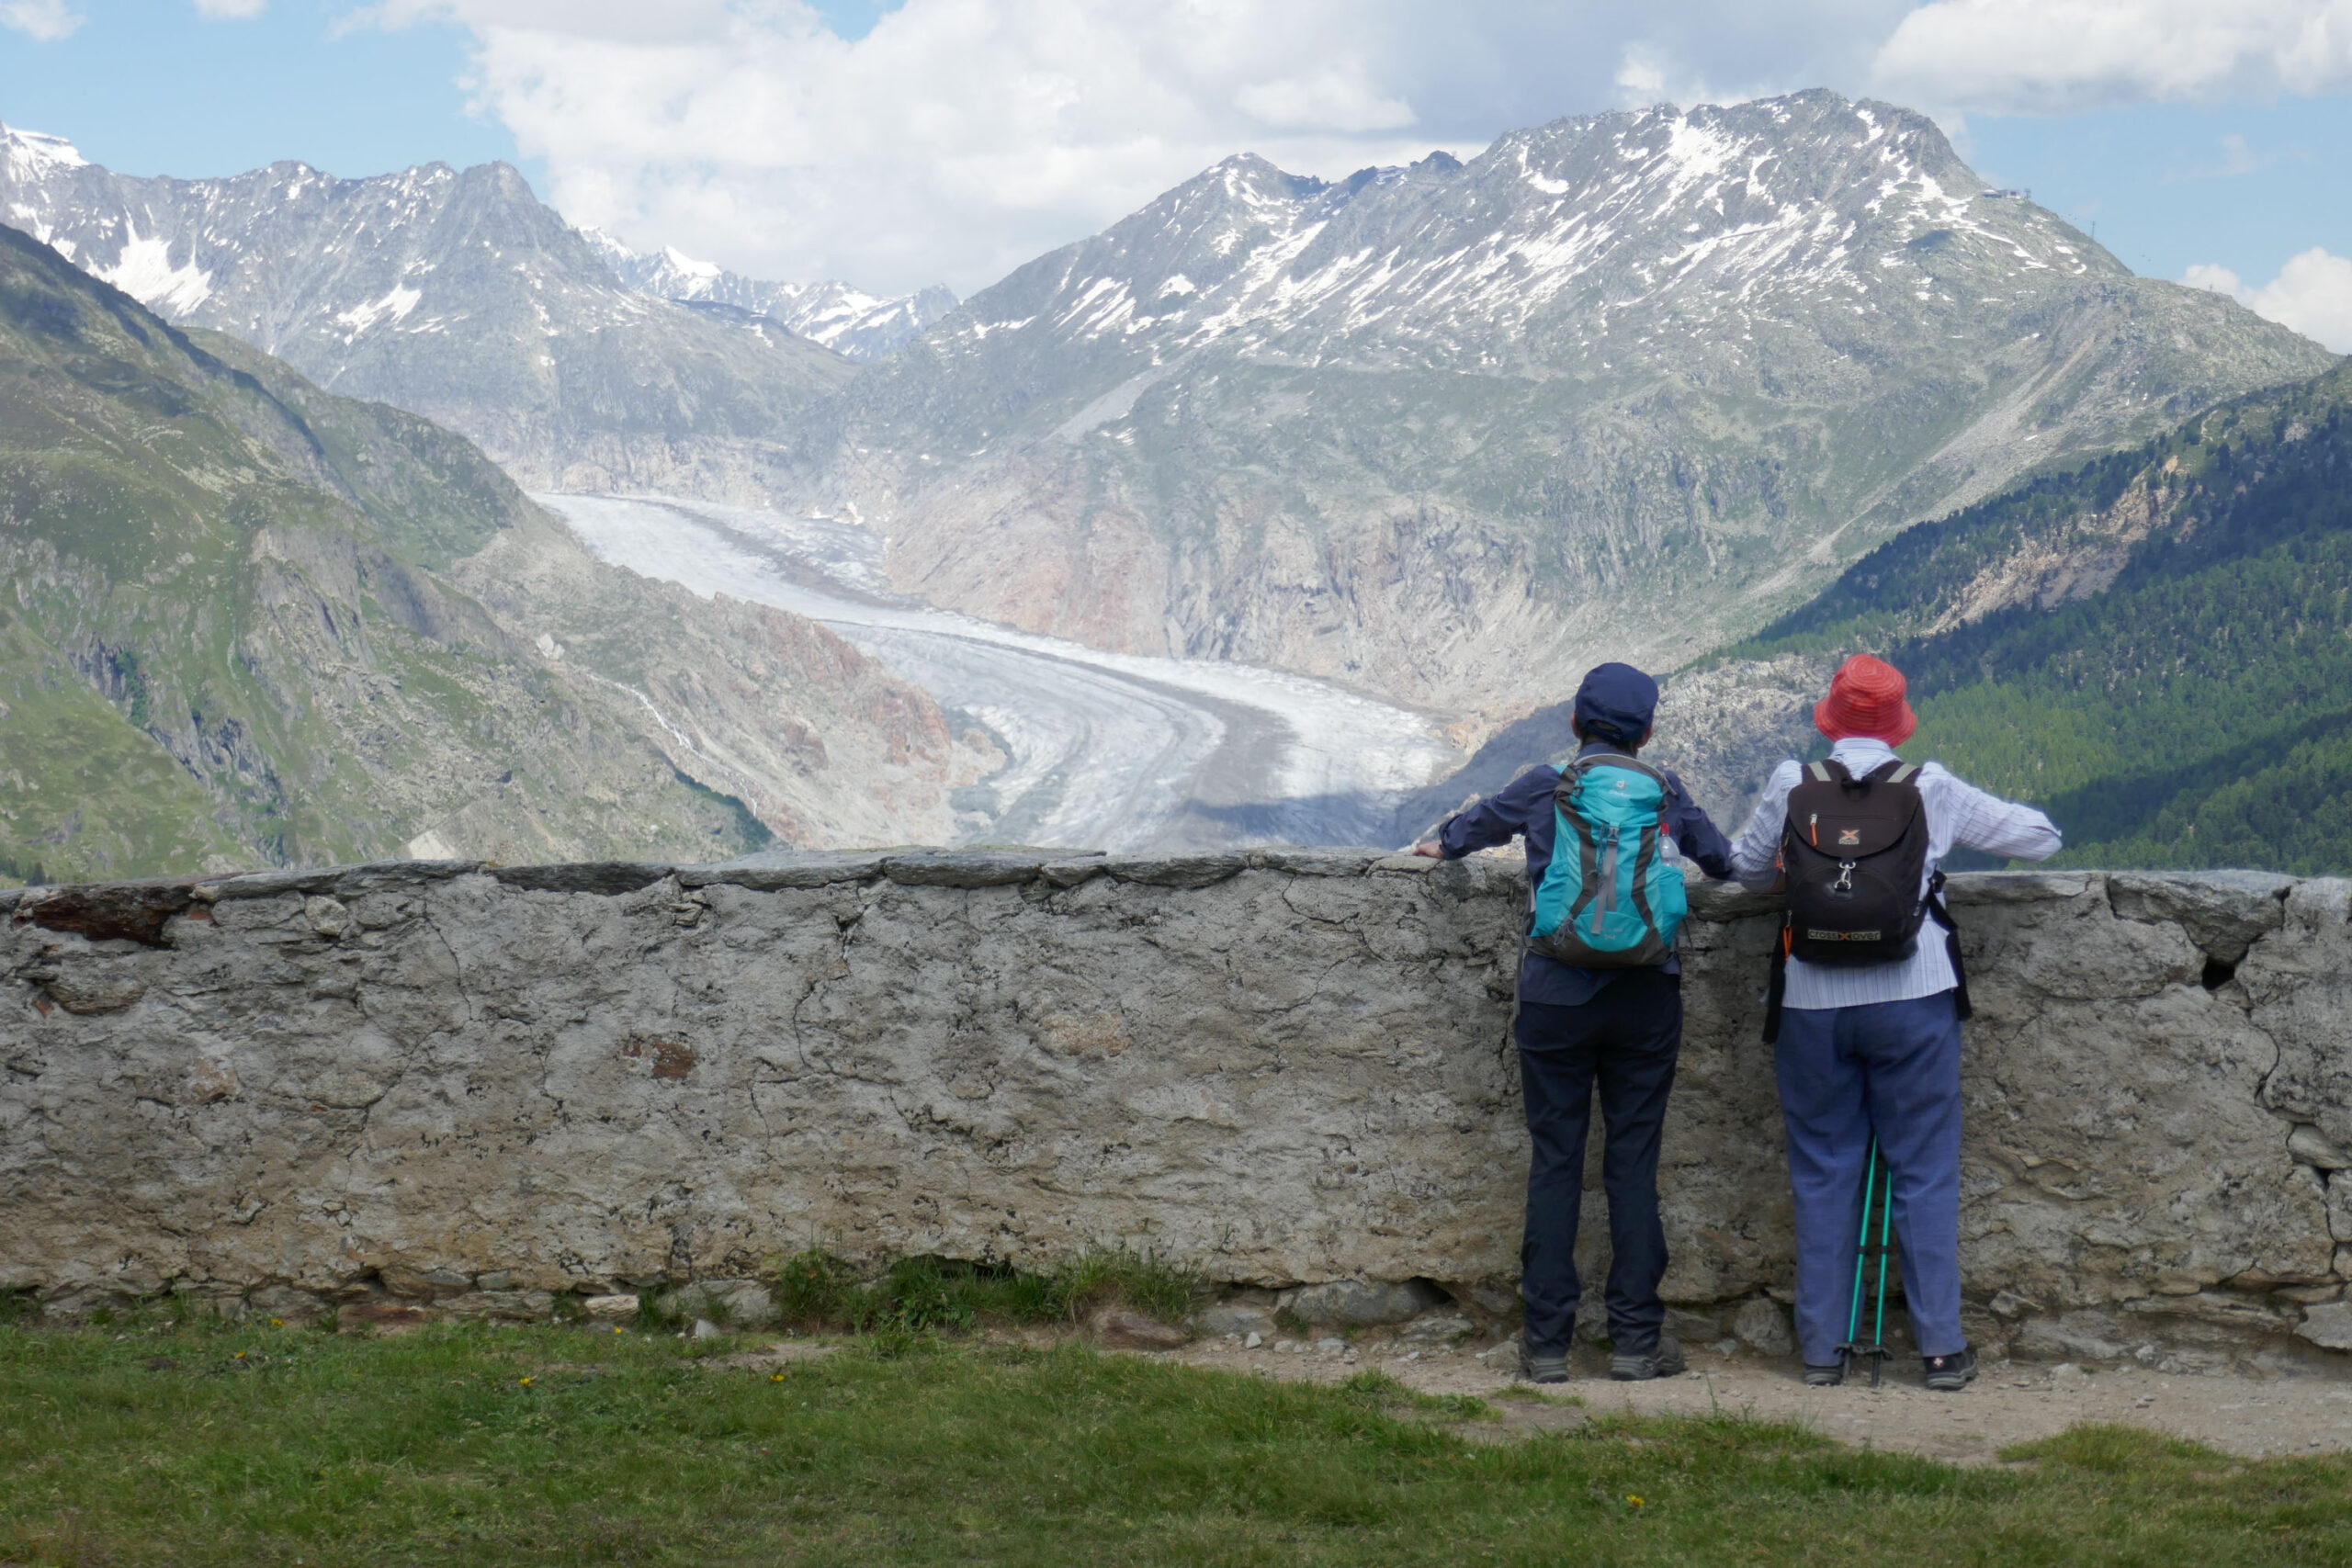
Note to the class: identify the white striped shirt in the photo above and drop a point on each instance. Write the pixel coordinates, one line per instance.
(1956, 814)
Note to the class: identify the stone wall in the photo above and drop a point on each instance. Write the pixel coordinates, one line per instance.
(490, 1086)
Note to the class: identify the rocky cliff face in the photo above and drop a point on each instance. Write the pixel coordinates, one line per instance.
(455, 295)
(1621, 386)
(494, 1086)
(249, 622)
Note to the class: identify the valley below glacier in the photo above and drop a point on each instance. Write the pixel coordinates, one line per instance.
(1103, 751)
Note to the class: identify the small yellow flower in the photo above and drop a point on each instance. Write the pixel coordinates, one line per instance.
(1634, 1500)
(775, 1377)
(527, 1382)
(621, 1331)
(241, 1355)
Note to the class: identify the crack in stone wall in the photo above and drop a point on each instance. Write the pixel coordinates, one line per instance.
(1281, 1066)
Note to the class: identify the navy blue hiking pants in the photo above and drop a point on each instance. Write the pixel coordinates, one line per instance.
(1624, 1043)
(1892, 1069)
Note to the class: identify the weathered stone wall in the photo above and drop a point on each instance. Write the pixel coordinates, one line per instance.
(1283, 1066)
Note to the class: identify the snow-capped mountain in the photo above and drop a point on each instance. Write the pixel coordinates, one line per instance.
(853, 324)
(1620, 385)
(454, 294)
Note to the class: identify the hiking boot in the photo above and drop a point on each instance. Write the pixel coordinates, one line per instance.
(1829, 1376)
(1663, 1361)
(1542, 1369)
(1950, 1374)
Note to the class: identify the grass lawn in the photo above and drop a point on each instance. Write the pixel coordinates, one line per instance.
(204, 1444)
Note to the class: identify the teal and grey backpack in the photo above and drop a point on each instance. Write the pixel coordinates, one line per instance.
(1608, 900)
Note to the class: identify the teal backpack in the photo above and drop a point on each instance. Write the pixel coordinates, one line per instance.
(1608, 900)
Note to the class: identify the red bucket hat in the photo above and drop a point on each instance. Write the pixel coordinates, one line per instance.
(1865, 698)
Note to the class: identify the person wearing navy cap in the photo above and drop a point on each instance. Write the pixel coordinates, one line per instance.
(1619, 1029)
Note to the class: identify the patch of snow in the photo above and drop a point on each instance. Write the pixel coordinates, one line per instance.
(143, 270)
(395, 305)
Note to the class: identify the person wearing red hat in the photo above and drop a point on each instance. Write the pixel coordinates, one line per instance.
(1870, 1050)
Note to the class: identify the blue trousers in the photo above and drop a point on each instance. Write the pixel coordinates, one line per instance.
(1625, 1043)
(1892, 1069)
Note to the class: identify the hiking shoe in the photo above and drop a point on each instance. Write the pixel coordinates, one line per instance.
(1825, 1377)
(1663, 1361)
(1950, 1374)
(1542, 1369)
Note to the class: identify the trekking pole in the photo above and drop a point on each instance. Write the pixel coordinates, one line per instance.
(1874, 1188)
(1885, 1230)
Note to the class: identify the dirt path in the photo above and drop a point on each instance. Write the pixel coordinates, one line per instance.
(2010, 1404)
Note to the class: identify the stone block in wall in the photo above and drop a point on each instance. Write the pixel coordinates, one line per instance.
(1359, 1302)
(2118, 1144)
(1762, 1325)
(2299, 981)
(738, 1303)
(2223, 912)
(2328, 1326)
(1236, 1318)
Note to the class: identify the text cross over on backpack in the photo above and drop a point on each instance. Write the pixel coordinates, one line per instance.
(1609, 899)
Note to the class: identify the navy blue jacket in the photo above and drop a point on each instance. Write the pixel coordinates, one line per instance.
(1523, 808)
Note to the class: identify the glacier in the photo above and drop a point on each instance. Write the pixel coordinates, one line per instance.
(1104, 751)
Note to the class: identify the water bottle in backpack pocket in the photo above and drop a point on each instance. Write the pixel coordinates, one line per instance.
(1608, 900)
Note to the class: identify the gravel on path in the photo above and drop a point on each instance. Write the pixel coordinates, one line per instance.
(2011, 1402)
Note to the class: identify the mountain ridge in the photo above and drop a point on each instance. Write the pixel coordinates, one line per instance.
(858, 326)
(455, 294)
(1629, 382)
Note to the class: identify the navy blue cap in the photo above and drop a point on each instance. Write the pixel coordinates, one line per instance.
(1616, 703)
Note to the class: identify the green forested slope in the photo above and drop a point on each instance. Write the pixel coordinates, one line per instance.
(2156, 648)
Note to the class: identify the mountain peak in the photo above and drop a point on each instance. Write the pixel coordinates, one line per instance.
(32, 154)
(689, 264)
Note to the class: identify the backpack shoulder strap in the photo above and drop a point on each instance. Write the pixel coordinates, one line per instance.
(1939, 909)
(1903, 773)
(1820, 772)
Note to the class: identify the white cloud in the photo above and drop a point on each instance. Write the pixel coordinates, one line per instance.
(2063, 56)
(960, 138)
(46, 20)
(231, 10)
(2311, 294)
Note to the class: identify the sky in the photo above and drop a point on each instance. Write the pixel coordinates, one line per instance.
(899, 143)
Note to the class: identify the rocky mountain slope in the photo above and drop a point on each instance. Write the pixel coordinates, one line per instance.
(248, 622)
(455, 295)
(2157, 646)
(1622, 385)
(853, 324)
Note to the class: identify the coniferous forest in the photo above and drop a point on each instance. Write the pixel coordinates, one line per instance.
(2156, 646)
